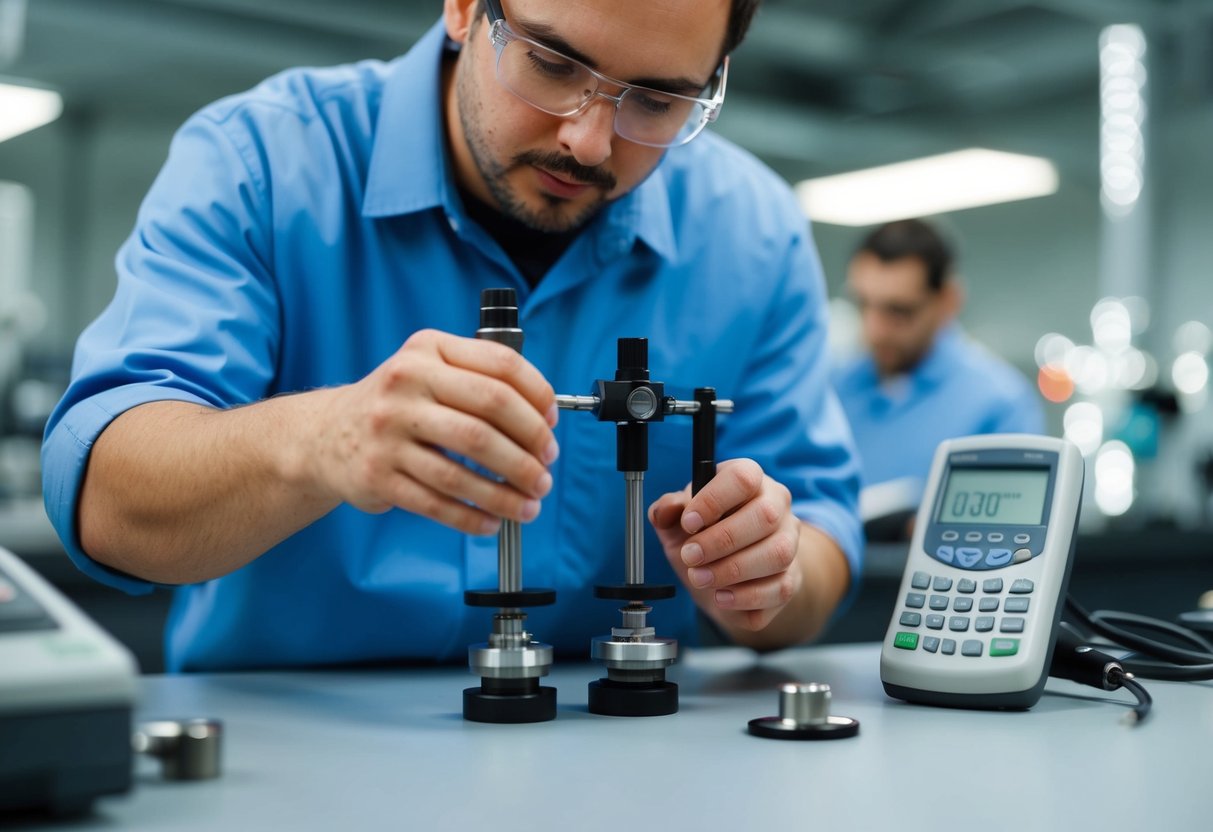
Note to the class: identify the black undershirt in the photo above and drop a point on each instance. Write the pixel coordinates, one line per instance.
(533, 252)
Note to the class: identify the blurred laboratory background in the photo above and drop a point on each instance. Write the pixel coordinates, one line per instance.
(1085, 242)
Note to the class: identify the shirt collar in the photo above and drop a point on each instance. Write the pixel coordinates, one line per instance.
(403, 177)
(938, 363)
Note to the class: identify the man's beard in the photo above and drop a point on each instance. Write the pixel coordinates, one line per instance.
(555, 216)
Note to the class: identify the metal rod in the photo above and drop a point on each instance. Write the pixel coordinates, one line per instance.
(509, 557)
(682, 407)
(577, 402)
(677, 406)
(635, 526)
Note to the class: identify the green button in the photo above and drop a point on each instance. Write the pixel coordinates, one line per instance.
(1004, 646)
(906, 641)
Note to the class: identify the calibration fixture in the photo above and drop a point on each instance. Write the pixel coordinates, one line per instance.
(635, 657)
(510, 664)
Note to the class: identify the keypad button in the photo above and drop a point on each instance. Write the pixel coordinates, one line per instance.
(1003, 646)
(1022, 538)
(915, 600)
(995, 537)
(921, 580)
(944, 553)
(947, 647)
(949, 536)
(983, 623)
(906, 641)
(931, 643)
(972, 537)
(968, 556)
(1022, 555)
(1017, 604)
(939, 602)
(1022, 586)
(910, 619)
(962, 604)
(998, 557)
(942, 583)
(1011, 625)
(971, 647)
(966, 585)
(958, 623)
(935, 622)
(991, 585)
(988, 605)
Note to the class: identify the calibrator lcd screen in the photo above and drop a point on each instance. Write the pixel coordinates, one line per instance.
(1002, 496)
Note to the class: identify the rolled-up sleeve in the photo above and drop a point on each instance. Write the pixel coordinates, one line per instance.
(194, 318)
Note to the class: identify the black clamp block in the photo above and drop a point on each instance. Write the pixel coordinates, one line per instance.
(529, 597)
(509, 701)
(611, 698)
(635, 592)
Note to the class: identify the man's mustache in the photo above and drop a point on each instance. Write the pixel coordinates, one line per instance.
(559, 163)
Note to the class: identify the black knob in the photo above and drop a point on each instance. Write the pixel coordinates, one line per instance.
(633, 359)
(498, 309)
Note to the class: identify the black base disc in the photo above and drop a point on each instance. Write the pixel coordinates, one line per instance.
(611, 698)
(482, 706)
(528, 597)
(774, 728)
(635, 592)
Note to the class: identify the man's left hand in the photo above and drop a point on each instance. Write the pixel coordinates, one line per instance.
(734, 545)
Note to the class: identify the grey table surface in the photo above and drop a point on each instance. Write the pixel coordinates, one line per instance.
(389, 750)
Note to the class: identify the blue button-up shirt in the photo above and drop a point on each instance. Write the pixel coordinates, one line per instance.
(958, 389)
(299, 233)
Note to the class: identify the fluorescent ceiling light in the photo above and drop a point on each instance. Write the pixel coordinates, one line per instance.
(922, 187)
(25, 108)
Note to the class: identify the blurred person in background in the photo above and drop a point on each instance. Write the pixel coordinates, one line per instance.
(921, 380)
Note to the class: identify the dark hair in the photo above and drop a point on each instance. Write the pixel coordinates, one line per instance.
(912, 238)
(740, 17)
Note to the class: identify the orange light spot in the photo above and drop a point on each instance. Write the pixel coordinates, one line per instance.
(1055, 383)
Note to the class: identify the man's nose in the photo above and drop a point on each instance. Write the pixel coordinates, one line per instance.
(587, 135)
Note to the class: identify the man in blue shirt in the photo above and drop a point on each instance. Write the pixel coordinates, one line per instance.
(282, 415)
(922, 381)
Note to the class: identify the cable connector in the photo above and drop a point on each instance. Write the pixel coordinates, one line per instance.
(1079, 662)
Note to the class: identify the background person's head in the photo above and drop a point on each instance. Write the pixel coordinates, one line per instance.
(901, 278)
(553, 173)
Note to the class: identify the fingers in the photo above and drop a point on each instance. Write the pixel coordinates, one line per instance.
(471, 437)
(761, 516)
(414, 496)
(451, 479)
(666, 511)
(736, 482)
(499, 405)
(498, 361)
(773, 555)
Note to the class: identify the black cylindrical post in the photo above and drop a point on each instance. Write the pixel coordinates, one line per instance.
(703, 439)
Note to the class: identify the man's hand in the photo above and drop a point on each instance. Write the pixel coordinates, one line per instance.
(747, 560)
(381, 441)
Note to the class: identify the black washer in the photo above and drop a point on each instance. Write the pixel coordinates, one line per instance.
(529, 597)
(635, 592)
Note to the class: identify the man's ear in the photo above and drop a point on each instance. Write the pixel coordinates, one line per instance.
(952, 294)
(459, 15)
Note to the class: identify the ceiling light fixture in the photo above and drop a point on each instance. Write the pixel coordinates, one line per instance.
(24, 108)
(923, 187)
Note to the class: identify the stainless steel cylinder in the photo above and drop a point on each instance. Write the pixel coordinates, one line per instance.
(635, 526)
(509, 557)
(804, 704)
(188, 749)
(577, 402)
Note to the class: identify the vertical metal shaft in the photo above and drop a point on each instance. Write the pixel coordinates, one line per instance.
(509, 557)
(635, 526)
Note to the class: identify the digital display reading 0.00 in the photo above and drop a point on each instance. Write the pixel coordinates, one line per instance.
(1002, 496)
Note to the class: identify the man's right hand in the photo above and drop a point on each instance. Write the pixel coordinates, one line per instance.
(381, 441)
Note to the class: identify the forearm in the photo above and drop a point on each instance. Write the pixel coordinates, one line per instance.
(825, 578)
(179, 493)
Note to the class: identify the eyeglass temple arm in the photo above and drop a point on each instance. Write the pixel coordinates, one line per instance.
(495, 12)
